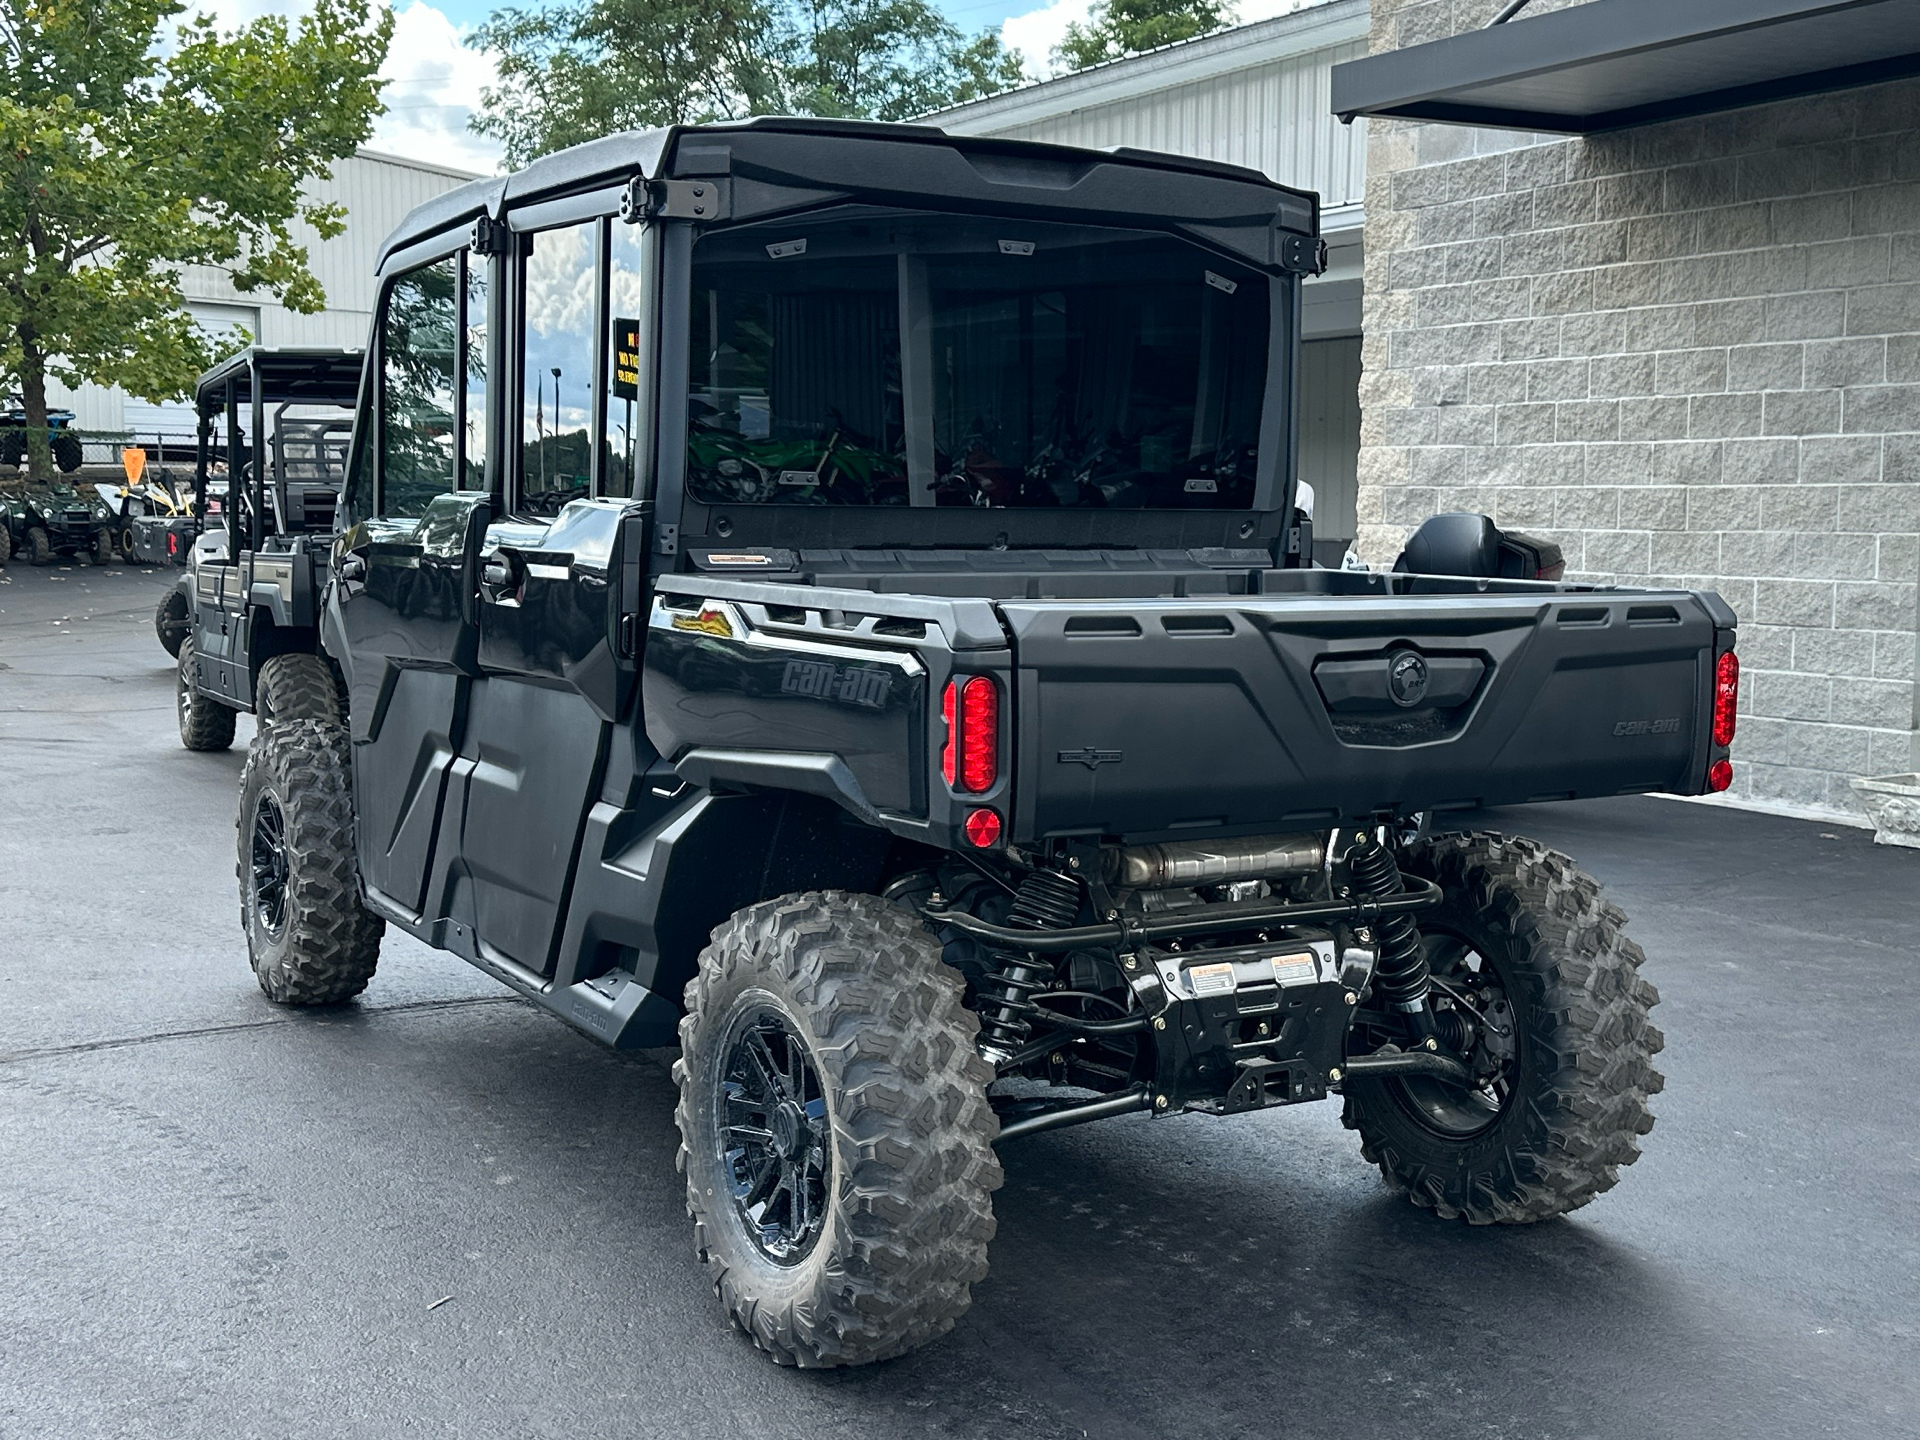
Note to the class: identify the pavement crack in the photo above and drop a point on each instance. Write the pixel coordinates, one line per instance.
(86, 1047)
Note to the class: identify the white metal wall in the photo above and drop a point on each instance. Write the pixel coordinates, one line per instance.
(1274, 117)
(1330, 433)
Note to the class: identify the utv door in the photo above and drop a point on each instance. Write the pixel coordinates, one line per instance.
(405, 597)
(551, 680)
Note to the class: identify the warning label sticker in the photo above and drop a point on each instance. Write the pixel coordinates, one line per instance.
(1295, 970)
(1211, 979)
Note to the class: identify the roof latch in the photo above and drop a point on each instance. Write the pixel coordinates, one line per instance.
(488, 237)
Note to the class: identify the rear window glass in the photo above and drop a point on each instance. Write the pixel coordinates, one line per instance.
(892, 359)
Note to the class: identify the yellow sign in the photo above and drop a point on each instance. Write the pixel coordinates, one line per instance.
(626, 359)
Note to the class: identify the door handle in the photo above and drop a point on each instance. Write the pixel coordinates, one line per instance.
(353, 568)
(497, 574)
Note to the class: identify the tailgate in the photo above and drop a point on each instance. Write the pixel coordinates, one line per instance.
(1162, 718)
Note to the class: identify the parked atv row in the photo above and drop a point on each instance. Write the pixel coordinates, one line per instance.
(43, 523)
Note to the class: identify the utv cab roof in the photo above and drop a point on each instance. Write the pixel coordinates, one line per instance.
(781, 163)
(285, 374)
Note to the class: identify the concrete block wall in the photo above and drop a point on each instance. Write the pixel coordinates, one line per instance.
(1688, 352)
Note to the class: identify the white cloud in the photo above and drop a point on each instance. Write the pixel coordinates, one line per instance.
(1036, 32)
(435, 82)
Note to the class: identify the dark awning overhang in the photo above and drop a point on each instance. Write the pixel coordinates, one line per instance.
(1608, 64)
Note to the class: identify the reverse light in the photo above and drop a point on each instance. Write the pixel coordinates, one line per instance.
(970, 760)
(1726, 699)
(983, 828)
(1719, 775)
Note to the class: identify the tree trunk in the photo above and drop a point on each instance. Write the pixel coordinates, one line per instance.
(33, 398)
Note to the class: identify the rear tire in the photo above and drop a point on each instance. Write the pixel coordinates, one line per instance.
(171, 622)
(1554, 965)
(103, 548)
(68, 453)
(204, 724)
(310, 940)
(6, 539)
(297, 686)
(874, 1110)
(39, 546)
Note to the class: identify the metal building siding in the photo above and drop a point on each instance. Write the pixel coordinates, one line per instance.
(1274, 117)
(1330, 433)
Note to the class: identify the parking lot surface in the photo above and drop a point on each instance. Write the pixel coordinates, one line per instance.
(222, 1219)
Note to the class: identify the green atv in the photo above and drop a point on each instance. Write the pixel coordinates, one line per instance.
(42, 521)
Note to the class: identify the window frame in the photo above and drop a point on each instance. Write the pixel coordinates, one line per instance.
(460, 249)
(598, 209)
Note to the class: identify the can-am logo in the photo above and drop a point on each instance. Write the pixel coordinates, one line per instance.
(1407, 678)
(1648, 727)
(823, 680)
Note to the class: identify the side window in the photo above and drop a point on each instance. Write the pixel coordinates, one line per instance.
(473, 454)
(557, 380)
(625, 372)
(419, 378)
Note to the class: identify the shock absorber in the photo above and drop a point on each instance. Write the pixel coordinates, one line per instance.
(1047, 900)
(1400, 977)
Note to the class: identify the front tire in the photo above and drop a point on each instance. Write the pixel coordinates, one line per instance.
(297, 686)
(310, 940)
(39, 546)
(204, 724)
(1525, 938)
(171, 621)
(835, 1131)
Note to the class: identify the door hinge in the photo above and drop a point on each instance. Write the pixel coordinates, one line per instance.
(488, 237)
(668, 538)
(1303, 254)
(703, 200)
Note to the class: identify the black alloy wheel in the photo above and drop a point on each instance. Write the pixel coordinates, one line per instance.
(776, 1140)
(267, 866)
(1469, 998)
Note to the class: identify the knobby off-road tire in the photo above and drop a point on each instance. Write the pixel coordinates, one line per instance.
(310, 940)
(171, 622)
(104, 552)
(297, 686)
(39, 546)
(68, 453)
(204, 724)
(904, 1134)
(1582, 1066)
(6, 540)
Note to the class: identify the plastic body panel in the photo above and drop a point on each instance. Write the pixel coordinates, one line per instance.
(1173, 719)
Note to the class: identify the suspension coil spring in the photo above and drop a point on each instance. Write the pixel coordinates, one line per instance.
(1047, 900)
(1400, 977)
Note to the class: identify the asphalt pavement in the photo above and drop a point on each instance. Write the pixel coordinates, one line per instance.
(437, 1211)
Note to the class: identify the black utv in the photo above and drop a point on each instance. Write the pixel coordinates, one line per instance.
(828, 596)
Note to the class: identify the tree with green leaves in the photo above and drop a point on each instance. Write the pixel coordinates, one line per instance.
(134, 143)
(574, 71)
(1118, 28)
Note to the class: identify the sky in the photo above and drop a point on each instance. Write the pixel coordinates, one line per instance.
(434, 79)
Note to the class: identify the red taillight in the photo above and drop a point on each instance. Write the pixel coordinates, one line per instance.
(1726, 700)
(1719, 775)
(173, 545)
(983, 829)
(970, 760)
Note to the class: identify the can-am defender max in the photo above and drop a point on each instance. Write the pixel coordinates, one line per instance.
(828, 594)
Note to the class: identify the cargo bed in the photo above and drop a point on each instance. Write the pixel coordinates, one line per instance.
(1147, 719)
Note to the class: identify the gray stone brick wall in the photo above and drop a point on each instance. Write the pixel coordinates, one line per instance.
(1690, 353)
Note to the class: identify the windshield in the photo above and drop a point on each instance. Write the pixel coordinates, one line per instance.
(882, 358)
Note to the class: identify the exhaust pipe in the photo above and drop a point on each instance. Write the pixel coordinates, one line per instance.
(1184, 864)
